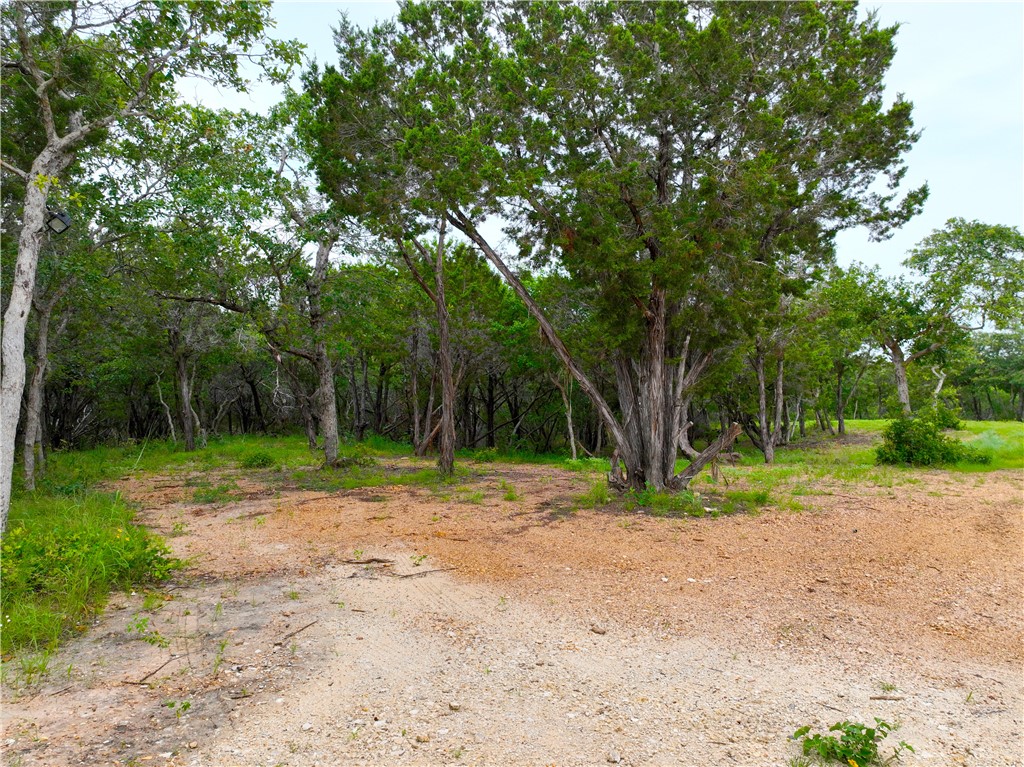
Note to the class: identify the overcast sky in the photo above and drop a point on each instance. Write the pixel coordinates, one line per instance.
(960, 63)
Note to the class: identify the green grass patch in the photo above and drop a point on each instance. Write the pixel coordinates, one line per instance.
(679, 504)
(62, 557)
(597, 495)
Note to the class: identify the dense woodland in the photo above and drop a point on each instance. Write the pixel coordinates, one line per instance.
(587, 228)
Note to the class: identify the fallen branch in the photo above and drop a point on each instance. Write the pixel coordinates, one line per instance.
(370, 561)
(425, 572)
(290, 634)
(158, 668)
(886, 697)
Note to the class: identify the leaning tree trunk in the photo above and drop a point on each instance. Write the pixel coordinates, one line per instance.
(840, 368)
(646, 439)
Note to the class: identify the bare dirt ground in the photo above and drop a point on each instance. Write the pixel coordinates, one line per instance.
(523, 632)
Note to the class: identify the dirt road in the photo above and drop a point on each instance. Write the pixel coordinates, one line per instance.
(496, 631)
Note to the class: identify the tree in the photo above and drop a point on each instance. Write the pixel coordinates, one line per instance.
(85, 66)
(657, 152)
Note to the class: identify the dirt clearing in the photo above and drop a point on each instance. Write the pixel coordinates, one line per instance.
(497, 631)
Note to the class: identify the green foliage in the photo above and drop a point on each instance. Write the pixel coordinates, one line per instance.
(665, 504)
(918, 442)
(857, 744)
(942, 416)
(260, 459)
(597, 495)
(62, 557)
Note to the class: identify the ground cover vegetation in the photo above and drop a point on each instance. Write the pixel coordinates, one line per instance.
(667, 180)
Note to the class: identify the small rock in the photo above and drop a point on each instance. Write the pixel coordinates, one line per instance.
(307, 727)
(193, 744)
(614, 757)
(422, 738)
(597, 628)
(454, 706)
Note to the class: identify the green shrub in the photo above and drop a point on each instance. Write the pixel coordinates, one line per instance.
(60, 560)
(260, 459)
(667, 504)
(917, 441)
(940, 415)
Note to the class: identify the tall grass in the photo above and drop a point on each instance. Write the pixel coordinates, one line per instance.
(62, 556)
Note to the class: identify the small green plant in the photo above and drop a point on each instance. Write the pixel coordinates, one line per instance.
(34, 666)
(857, 744)
(597, 495)
(293, 594)
(140, 625)
(218, 611)
(509, 492)
(180, 528)
(259, 459)
(260, 520)
(474, 497)
(357, 554)
(417, 559)
(178, 707)
(887, 686)
(218, 658)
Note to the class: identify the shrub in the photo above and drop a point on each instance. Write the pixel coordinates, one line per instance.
(258, 460)
(940, 415)
(917, 441)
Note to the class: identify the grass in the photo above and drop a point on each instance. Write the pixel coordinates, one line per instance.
(62, 556)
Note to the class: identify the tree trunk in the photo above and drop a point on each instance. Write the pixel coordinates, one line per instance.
(414, 394)
(184, 390)
(567, 404)
(899, 364)
(49, 163)
(327, 402)
(840, 368)
(446, 460)
(490, 409)
(33, 437)
(764, 434)
(646, 440)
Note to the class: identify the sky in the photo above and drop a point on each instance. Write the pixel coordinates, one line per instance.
(961, 64)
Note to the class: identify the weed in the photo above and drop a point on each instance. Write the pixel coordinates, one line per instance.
(218, 658)
(293, 594)
(153, 601)
(598, 495)
(887, 686)
(474, 497)
(140, 625)
(34, 666)
(218, 611)
(856, 745)
(178, 707)
(180, 528)
(216, 495)
(260, 520)
(683, 503)
(417, 559)
(357, 554)
(508, 492)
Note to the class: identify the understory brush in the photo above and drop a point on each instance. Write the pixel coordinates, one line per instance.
(919, 442)
(62, 556)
